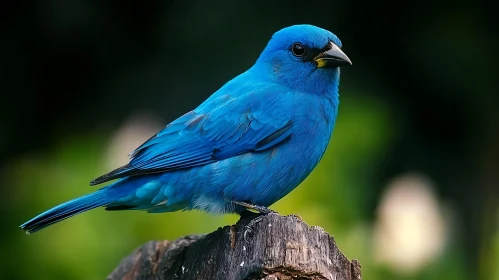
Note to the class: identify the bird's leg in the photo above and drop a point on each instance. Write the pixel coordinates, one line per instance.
(262, 210)
(259, 209)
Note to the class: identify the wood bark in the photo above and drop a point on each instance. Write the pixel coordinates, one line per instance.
(277, 247)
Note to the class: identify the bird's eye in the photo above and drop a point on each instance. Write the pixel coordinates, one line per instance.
(297, 49)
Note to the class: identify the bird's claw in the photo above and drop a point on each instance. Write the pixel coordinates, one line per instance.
(248, 230)
(255, 221)
(262, 211)
(252, 223)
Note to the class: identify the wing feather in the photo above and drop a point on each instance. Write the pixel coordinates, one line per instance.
(213, 132)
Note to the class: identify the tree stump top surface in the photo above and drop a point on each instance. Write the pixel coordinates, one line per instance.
(277, 247)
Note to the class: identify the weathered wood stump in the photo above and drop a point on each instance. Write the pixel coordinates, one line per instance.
(276, 248)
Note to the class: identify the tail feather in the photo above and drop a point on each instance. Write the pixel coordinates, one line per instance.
(66, 210)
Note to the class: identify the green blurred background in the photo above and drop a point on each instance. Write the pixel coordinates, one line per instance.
(409, 183)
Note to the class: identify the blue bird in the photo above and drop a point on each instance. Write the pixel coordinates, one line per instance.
(247, 146)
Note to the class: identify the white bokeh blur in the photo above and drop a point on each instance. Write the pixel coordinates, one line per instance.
(410, 229)
(137, 129)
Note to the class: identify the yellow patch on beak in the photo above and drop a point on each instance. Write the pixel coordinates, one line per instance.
(320, 62)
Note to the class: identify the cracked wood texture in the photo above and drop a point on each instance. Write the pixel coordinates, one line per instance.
(277, 247)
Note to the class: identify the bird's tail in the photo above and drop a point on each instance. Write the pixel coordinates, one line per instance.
(99, 198)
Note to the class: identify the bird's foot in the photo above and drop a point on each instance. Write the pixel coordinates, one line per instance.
(257, 217)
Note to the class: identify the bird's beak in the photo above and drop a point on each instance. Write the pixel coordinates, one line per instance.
(333, 57)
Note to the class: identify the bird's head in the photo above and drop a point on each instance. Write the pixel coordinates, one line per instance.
(304, 57)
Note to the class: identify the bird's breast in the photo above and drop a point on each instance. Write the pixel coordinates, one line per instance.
(314, 123)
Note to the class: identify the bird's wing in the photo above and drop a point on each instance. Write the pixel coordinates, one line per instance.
(220, 128)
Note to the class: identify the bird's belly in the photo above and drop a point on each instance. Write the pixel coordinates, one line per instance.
(258, 178)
